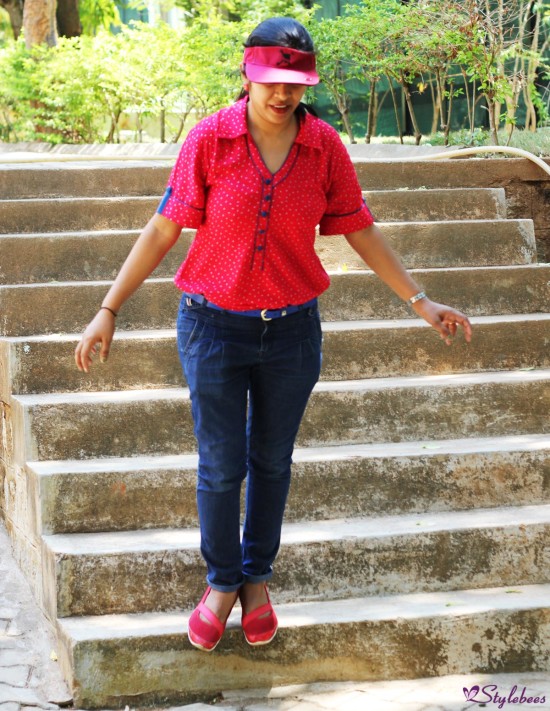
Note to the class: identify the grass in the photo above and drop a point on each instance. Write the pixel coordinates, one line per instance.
(537, 142)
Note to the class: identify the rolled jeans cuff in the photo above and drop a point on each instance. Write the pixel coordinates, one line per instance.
(258, 578)
(225, 588)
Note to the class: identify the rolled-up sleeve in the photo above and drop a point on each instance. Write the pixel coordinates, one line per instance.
(346, 209)
(185, 197)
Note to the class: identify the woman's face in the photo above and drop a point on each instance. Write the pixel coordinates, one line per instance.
(275, 103)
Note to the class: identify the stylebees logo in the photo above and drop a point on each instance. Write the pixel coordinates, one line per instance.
(490, 694)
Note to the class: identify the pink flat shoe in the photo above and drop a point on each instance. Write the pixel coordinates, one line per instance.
(205, 635)
(257, 629)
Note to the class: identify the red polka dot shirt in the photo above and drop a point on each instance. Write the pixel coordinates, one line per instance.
(254, 245)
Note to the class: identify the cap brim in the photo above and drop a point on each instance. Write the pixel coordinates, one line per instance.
(274, 75)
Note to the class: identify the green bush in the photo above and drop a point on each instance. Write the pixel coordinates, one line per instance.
(71, 92)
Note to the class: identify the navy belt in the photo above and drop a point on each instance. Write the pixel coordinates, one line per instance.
(264, 314)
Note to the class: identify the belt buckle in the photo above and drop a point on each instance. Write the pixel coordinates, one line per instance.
(265, 317)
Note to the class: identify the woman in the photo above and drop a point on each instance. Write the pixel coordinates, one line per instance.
(255, 179)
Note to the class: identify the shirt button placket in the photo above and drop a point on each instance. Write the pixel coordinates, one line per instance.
(264, 216)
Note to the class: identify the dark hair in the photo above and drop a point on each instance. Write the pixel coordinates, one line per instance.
(281, 32)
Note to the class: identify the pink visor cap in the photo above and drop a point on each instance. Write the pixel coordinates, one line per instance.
(280, 65)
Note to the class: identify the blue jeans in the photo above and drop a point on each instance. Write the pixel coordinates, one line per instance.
(250, 381)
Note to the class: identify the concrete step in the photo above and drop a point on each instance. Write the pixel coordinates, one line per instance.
(94, 179)
(115, 660)
(149, 177)
(125, 213)
(437, 204)
(77, 256)
(448, 514)
(162, 569)
(132, 423)
(67, 307)
(352, 349)
(393, 174)
(91, 496)
(450, 243)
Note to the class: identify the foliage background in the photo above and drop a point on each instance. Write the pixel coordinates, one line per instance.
(489, 59)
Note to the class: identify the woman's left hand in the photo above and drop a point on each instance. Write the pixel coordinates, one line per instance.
(444, 319)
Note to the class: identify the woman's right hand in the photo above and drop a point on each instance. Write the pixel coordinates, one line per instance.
(100, 332)
(159, 235)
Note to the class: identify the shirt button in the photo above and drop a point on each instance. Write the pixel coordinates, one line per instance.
(263, 213)
(268, 181)
(261, 232)
(259, 247)
(267, 197)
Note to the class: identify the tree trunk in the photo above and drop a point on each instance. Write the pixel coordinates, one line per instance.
(139, 128)
(68, 21)
(115, 116)
(449, 113)
(39, 23)
(372, 111)
(342, 104)
(435, 108)
(468, 102)
(14, 8)
(163, 125)
(531, 78)
(394, 99)
(408, 99)
(183, 119)
(530, 111)
(344, 113)
(440, 99)
(493, 124)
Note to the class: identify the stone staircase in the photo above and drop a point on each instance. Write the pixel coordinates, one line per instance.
(418, 526)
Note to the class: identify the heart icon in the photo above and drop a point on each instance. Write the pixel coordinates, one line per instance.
(470, 694)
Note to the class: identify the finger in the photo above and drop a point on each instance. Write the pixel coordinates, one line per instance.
(452, 326)
(467, 327)
(87, 349)
(464, 322)
(104, 352)
(77, 356)
(444, 331)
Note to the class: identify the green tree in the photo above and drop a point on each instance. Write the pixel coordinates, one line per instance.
(252, 11)
(500, 51)
(212, 53)
(97, 15)
(334, 64)
(158, 73)
(366, 27)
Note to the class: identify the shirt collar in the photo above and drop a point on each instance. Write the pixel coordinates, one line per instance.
(232, 124)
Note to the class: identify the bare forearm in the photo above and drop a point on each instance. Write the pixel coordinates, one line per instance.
(373, 249)
(149, 250)
(371, 246)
